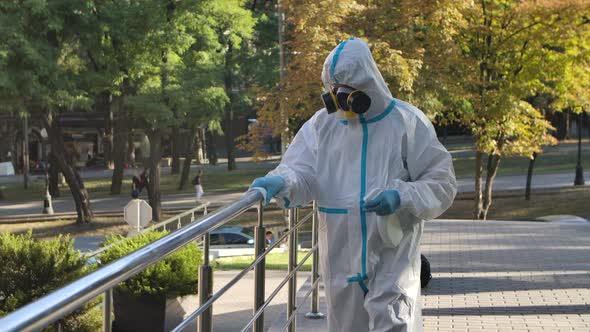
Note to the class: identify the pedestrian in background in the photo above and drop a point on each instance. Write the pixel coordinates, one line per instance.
(198, 187)
(270, 238)
(138, 183)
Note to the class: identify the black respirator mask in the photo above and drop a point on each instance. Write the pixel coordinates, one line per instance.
(347, 99)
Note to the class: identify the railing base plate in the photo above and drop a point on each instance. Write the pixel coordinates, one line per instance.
(314, 315)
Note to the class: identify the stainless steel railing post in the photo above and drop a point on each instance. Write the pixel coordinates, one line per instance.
(205, 323)
(291, 305)
(259, 271)
(315, 299)
(107, 311)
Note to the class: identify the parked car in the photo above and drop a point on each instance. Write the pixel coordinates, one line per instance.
(232, 237)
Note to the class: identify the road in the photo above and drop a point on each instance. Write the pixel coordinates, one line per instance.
(99, 173)
(186, 201)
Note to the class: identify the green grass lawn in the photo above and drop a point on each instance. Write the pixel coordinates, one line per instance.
(514, 207)
(100, 226)
(545, 163)
(274, 261)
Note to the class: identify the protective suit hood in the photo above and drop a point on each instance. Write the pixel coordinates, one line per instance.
(351, 63)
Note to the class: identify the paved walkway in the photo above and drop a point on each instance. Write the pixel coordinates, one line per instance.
(174, 201)
(234, 309)
(186, 201)
(514, 182)
(502, 276)
(100, 173)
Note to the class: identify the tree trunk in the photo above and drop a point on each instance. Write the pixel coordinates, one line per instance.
(120, 147)
(200, 147)
(230, 145)
(211, 149)
(188, 157)
(492, 170)
(75, 183)
(53, 176)
(177, 141)
(529, 177)
(130, 153)
(587, 116)
(103, 106)
(567, 124)
(478, 186)
(155, 137)
(227, 122)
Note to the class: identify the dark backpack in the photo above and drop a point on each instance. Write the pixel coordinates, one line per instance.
(195, 180)
(425, 275)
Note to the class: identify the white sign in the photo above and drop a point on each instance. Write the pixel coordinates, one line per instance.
(6, 169)
(138, 213)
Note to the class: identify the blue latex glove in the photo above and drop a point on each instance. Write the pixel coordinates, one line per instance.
(384, 204)
(272, 185)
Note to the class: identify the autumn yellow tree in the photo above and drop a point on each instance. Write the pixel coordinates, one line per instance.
(477, 63)
(314, 28)
(502, 53)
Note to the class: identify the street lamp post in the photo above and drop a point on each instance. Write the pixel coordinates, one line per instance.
(282, 114)
(579, 181)
(26, 151)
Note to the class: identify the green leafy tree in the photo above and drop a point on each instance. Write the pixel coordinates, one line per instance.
(41, 69)
(233, 25)
(199, 99)
(499, 54)
(115, 49)
(156, 81)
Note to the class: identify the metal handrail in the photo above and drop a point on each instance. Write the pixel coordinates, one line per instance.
(63, 301)
(238, 277)
(178, 218)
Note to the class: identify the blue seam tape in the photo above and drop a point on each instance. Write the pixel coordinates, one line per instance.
(378, 117)
(363, 191)
(384, 114)
(335, 59)
(333, 211)
(364, 287)
(360, 279)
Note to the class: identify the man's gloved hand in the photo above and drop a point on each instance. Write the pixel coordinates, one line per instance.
(384, 204)
(272, 185)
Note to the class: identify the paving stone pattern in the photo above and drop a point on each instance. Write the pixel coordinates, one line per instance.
(501, 276)
(507, 276)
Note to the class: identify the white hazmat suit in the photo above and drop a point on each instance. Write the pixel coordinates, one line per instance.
(370, 264)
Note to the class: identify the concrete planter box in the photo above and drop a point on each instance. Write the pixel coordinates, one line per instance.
(150, 314)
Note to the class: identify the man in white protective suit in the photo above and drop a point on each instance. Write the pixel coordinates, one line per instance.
(377, 171)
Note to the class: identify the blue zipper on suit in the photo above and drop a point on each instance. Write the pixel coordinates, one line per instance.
(361, 277)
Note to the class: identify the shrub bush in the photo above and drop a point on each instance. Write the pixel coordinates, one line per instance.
(31, 268)
(176, 275)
